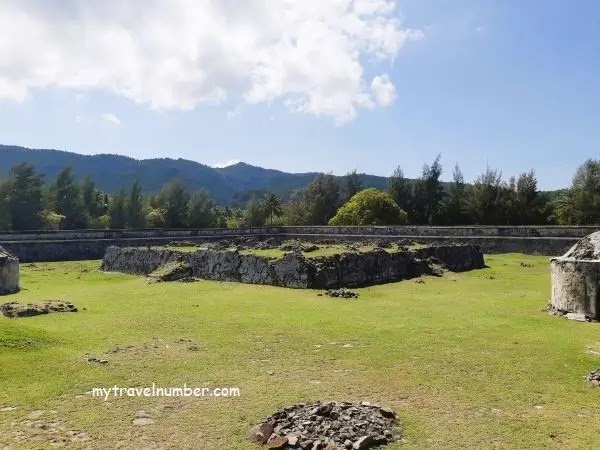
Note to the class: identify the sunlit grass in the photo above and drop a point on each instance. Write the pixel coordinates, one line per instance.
(468, 360)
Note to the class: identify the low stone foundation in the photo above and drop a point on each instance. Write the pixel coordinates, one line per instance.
(297, 271)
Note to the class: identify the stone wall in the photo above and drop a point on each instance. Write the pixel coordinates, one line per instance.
(296, 271)
(9, 273)
(576, 286)
(576, 279)
(398, 230)
(91, 244)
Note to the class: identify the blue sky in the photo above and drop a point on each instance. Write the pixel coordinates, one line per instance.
(510, 84)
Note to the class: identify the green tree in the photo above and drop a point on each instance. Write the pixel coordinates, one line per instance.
(400, 189)
(26, 197)
(529, 206)
(254, 215)
(175, 203)
(52, 220)
(295, 210)
(352, 184)
(428, 194)
(68, 201)
(5, 217)
(155, 218)
(135, 206)
(228, 217)
(322, 197)
(580, 204)
(454, 203)
(117, 210)
(202, 212)
(484, 202)
(271, 206)
(93, 200)
(370, 207)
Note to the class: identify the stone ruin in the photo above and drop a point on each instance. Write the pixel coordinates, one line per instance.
(16, 309)
(326, 426)
(9, 273)
(576, 280)
(295, 270)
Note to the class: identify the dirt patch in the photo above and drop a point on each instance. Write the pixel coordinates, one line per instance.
(331, 425)
(42, 428)
(16, 309)
(156, 346)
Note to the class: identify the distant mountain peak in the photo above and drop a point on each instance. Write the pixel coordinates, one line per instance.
(231, 183)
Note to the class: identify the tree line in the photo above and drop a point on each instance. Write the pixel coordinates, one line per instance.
(27, 202)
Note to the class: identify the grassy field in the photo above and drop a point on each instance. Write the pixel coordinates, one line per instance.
(467, 360)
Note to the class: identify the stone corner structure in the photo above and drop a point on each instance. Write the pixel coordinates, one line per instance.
(9, 273)
(576, 279)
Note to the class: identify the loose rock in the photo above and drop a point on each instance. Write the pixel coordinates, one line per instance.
(341, 293)
(142, 418)
(594, 377)
(260, 433)
(16, 309)
(326, 425)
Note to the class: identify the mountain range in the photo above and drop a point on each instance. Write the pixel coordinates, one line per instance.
(233, 184)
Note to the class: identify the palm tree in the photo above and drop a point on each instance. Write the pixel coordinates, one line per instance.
(271, 205)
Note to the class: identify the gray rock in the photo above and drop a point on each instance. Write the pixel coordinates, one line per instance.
(143, 421)
(16, 309)
(260, 433)
(322, 425)
(579, 317)
(363, 443)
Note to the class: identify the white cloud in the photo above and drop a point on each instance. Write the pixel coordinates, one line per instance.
(111, 119)
(178, 54)
(231, 162)
(383, 90)
(78, 118)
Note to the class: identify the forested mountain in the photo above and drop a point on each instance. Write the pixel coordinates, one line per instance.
(234, 183)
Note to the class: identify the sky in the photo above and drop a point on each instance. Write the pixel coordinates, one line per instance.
(309, 85)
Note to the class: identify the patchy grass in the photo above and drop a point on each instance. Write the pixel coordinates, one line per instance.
(467, 361)
(178, 248)
(323, 250)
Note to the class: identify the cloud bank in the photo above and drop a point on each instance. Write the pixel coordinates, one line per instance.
(177, 54)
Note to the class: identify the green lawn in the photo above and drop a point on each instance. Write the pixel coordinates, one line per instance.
(467, 360)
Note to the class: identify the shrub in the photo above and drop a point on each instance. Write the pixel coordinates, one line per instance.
(369, 207)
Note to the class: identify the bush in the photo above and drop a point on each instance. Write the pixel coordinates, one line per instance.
(155, 218)
(369, 207)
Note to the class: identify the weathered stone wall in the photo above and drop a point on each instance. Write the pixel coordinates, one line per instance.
(296, 271)
(91, 244)
(398, 230)
(576, 279)
(9, 273)
(576, 286)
